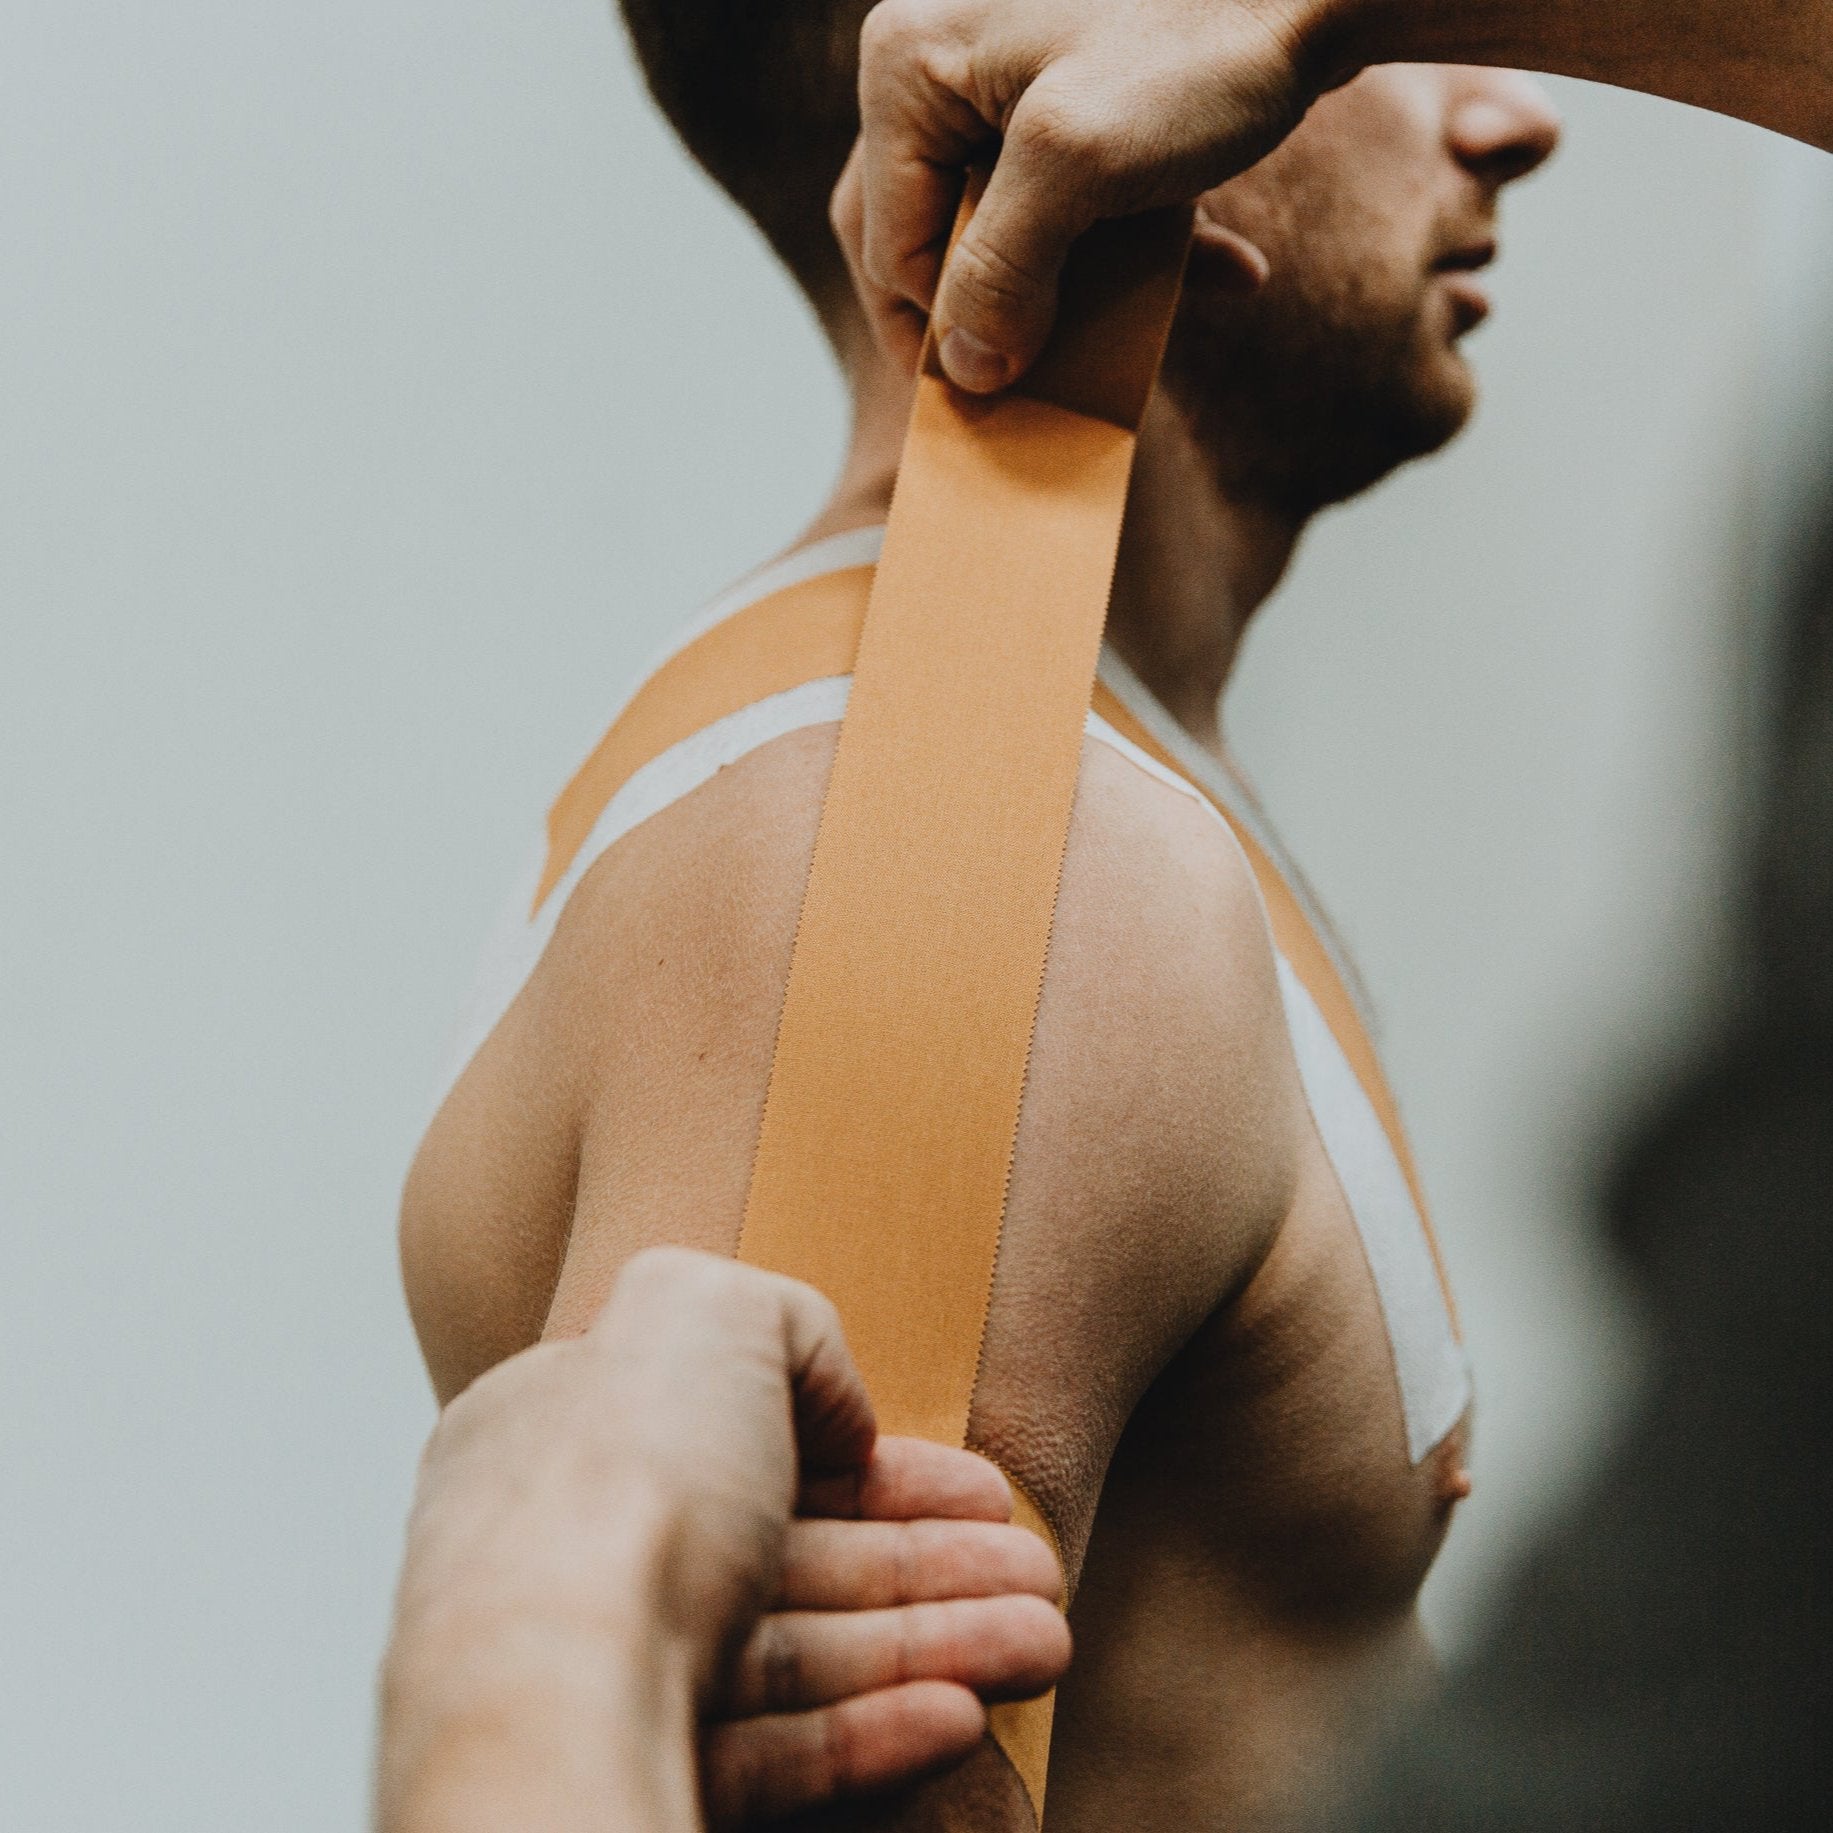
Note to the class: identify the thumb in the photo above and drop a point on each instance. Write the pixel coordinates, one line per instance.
(998, 295)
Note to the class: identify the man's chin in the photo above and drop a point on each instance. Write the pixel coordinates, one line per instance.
(1299, 434)
(1375, 438)
(1419, 415)
(1446, 405)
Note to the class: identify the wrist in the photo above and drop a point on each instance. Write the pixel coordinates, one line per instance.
(1607, 39)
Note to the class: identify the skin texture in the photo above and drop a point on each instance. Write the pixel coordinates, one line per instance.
(598, 1530)
(1094, 110)
(1317, 348)
(1185, 1362)
(1330, 373)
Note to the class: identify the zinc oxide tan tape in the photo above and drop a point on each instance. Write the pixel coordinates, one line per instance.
(809, 632)
(888, 1129)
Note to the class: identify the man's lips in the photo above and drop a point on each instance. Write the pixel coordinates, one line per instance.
(1472, 258)
(1458, 270)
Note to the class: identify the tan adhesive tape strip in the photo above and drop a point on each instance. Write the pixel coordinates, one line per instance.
(888, 1128)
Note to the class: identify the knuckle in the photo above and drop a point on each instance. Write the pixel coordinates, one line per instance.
(909, 1625)
(911, 49)
(666, 1276)
(658, 1264)
(1080, 136)
(780, 1667)
(824, 1313)
(837, 1762)
(1055, 126)
(882, 30)
(984, 275)
(906, 1560)
(896, 28)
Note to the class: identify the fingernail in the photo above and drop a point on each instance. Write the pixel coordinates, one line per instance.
(973, 365)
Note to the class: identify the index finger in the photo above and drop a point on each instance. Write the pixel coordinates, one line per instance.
(908, 1479)
(877, 1565)
(898, 325)
(917, 135)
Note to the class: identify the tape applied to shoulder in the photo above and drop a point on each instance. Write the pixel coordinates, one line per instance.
(888, 1129)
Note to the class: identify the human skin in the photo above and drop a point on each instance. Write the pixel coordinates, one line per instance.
(599, 1528)
(1351, 247)
(1094, 109)
(1185, 1362)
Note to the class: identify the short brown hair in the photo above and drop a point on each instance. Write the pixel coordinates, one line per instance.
(764, 93)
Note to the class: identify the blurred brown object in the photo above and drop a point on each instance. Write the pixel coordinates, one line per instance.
(1663, 1660)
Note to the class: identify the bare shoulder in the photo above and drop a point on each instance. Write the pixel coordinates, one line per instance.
(1160, 1136)
(617, 1104)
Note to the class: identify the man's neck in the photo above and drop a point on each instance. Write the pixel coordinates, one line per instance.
(1194, 564)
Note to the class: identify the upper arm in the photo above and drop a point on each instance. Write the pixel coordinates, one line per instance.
(1155, 1143)
(615, 1104)
(618, 1102)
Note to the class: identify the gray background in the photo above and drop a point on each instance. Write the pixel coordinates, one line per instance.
(377, 386)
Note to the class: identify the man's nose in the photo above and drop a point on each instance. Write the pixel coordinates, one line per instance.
(1502, 125)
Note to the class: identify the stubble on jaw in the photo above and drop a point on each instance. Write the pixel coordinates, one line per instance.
(1299, 402)
(1344, 366)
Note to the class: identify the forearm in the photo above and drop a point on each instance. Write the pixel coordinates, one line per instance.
(498, 1716)
(541, 1742)
(1766, 61)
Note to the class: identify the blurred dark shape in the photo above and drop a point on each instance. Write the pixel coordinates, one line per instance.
(1665, 1659)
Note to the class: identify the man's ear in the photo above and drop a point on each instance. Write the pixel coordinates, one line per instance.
(1223, 259)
